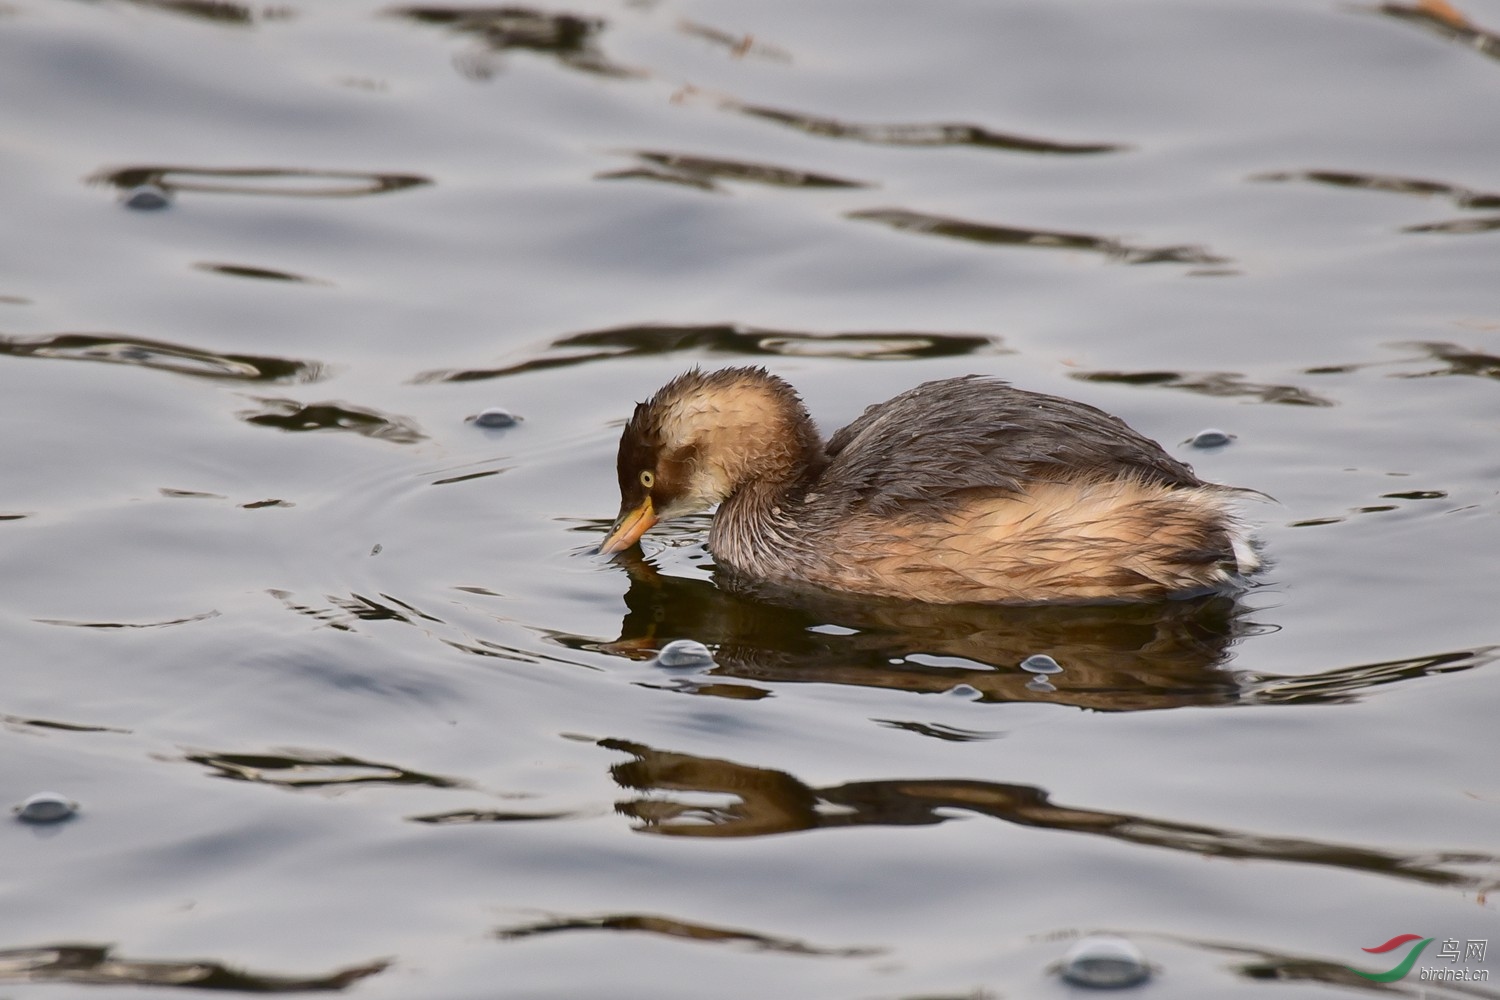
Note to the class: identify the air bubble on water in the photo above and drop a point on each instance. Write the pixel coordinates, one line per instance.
(1210, 437)
(1041, 663)
(496, 417)
(146, 198)
(1104, 962)
(46, 807)
(685, 653)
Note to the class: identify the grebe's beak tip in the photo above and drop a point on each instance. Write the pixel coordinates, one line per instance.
(628, 528)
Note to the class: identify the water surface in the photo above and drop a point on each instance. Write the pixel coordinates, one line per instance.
(349, 705)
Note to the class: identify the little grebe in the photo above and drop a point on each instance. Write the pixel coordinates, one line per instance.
(960, 490)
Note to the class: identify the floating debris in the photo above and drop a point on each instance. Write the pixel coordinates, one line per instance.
(1104, 962)
(1041, 663)
(495, 417)
(146, 198)
(1210, 437)
(46, 807)
(685, 653)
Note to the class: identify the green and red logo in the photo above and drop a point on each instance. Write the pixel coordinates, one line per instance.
(1402, 967)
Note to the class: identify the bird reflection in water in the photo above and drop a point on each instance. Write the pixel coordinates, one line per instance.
(757, 801)
(1114, 657)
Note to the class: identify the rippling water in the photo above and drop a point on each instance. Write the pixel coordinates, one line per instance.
(348, 704)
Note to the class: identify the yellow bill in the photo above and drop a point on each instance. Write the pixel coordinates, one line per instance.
(628, 528)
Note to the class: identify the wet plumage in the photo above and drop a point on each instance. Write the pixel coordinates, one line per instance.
(959, 490)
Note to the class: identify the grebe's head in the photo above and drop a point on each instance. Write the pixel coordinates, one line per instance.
(703, 437)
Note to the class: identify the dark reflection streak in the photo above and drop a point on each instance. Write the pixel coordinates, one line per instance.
(767, 801)
(980, 232)
(290, 415)
(95, 965)
(214, 11)
(1458, 227)
(1262, 965)
(262, 273)
(1442, 18)
(730, 339)
(665, 176)
(1456, 359)
(924, 134)
(465, 478)
(467, 816)
(682, 929)
(952, 734)
(710, 168)
(1346, 684)
(205, 616)
(1461, 196)
(120, 349)
(314, 770)
(1220, 384)
(67, 727)
(569, 38)
(737, 170)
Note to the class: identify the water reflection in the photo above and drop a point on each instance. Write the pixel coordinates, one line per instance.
(918, 134)
(464, 817)
(1347, 684)
(569, 38)
(1265, 965)
(1462, 197)
(119, 349)
(96, 965)
(1444, 19)
(739, 46)
(71, 623)
(25, 724)
(702, 171)
(217, 11)
(290, 415)
(314, 769)
(757, 802)
(1453, 359)
(989, 233)
(259, 273)
(287, 183)
(727, 338)
(1221, 384)
(672, 927)
(1132, 657)
(1115, 658)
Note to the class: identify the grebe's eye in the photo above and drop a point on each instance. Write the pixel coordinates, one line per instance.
(648, 478)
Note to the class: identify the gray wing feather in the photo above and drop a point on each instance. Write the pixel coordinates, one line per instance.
(942, 441)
